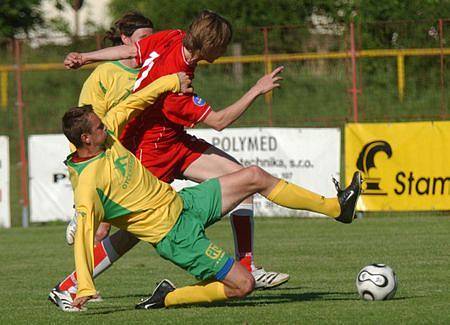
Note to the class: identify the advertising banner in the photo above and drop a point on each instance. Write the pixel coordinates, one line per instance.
(406, 166)
(5, 217)
(51, 196)
(308, 157)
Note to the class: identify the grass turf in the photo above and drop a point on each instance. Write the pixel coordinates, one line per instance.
(322, 257)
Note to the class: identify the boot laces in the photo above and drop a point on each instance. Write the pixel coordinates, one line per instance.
(336, 184)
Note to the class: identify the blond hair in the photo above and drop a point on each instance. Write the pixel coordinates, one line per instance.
(208, 33)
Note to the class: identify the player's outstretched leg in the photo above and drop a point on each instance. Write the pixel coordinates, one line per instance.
(254, 179)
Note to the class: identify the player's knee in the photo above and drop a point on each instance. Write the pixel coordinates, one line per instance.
(246, 286)
(249, 285)
(256, 175)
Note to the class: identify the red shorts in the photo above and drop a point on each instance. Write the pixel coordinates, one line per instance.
(169, 160)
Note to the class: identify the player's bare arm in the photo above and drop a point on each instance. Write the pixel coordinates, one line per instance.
(75, 60)
(219, 120)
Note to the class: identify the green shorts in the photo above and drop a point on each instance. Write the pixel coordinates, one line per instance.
(186, 244)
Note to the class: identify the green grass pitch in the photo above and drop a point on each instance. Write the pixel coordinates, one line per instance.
(322, 257)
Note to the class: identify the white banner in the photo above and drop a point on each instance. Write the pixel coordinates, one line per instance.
(5, 217)
(308, 157)
(51, 196)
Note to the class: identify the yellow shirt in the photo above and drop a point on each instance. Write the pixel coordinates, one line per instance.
(115, 187)
(109, 84)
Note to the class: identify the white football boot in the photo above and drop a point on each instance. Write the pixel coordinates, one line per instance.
(268, 280)
(63, 300)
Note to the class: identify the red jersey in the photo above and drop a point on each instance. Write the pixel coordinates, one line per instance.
(158, 55)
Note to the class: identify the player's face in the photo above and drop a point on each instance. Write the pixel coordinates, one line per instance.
(214, 54)
(97, 134)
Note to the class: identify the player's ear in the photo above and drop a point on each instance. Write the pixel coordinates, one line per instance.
(85, 138)
(125, 39)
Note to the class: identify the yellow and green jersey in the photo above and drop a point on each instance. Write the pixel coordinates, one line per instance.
(115, 187)
(108, 85)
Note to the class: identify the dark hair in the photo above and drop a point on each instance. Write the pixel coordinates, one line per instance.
(75, 122)
(207, 33)
(127, 25)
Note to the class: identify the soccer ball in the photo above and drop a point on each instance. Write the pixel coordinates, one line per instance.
(376, 282)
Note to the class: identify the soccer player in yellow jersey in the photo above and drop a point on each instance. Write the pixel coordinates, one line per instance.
(111, 185)
(92, 179)
(109, 84)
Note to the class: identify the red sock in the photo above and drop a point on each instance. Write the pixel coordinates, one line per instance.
(101, 263)
(247, 261)
(69, 282)
(242, 225)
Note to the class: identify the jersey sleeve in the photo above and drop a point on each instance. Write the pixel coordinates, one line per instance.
(187, 110)
(94, 91)
(88, 220)
(116, 119)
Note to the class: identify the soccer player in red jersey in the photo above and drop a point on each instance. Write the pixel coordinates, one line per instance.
(157, 137)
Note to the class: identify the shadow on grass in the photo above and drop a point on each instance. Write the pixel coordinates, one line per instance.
(146, 294)
(134, 295)
(270, 297)
(281, 298)
(106, 310)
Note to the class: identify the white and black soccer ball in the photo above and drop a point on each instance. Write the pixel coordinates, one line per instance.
(376, 282)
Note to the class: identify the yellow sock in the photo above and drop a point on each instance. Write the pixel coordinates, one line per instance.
(205, 291)
(296, 197)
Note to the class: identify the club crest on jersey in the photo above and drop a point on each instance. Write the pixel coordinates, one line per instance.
(198, 101)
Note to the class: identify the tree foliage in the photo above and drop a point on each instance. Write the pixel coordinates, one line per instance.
(19, 16)
(178, 13)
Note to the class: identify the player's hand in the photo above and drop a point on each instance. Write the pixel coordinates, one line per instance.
(79, 302)
(73, 60)
(185, 83)
(71, 230)
(269, 81)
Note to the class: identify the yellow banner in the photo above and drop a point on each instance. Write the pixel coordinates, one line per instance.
(406, 166)
(3, 89)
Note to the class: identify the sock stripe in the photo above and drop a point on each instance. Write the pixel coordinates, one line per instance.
(101, 259)
(109, 249)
